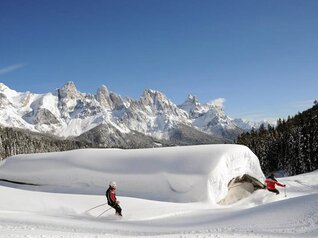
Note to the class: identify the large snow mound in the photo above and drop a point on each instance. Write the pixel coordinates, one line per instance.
(175, 174)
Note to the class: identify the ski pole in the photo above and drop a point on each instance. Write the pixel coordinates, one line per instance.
(104, 211)
(285, 191)
(96, 207)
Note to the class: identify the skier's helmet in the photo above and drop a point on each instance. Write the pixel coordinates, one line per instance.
(112, 184)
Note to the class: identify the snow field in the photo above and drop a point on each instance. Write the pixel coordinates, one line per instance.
(33, 211)
(65, 215)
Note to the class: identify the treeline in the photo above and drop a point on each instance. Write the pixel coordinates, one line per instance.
(292, 146)
(15, 141)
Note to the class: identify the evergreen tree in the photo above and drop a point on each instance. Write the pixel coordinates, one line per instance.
(292, 146)
(16, 141)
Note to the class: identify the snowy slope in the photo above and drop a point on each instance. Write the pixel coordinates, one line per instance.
(28, 211)
(249, 125)
(210, 116)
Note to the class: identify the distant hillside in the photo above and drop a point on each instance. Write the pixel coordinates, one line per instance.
(17, 141)
(292, 146)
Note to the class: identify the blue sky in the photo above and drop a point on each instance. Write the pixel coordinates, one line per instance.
(260, 56)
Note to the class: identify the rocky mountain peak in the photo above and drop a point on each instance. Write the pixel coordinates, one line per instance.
(3, 87)
(68, 90)
(103, 90)
(192, 99)
(149, 93)
(190, 105)
(6, 91)
(103, 97)
(156, 100)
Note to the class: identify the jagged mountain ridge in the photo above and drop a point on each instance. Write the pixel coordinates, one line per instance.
(67, 112)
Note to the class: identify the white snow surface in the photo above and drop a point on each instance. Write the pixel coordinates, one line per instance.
(164, 192)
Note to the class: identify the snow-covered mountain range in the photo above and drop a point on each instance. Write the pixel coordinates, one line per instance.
(66, 112)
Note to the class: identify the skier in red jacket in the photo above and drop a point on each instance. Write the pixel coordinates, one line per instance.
(271, 182)
(111, 198)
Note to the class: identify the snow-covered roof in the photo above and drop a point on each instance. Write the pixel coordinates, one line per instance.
(177, 174)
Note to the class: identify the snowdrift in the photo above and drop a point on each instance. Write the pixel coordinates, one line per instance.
(175, 174)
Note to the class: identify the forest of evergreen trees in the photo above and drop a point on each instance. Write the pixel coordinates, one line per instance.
(292, 146)
(16, 141)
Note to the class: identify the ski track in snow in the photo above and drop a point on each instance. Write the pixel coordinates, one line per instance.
(272, 216)
(268, 220)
